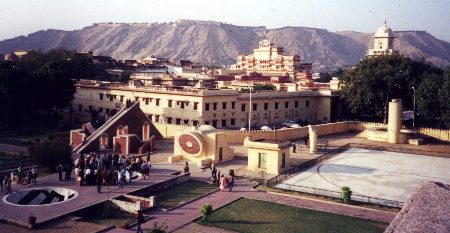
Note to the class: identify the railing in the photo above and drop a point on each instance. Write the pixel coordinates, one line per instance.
(388, 147)
(336, 194)
(304, 166)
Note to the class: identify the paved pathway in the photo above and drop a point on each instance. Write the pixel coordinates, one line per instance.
(184, 215)
(87, 196)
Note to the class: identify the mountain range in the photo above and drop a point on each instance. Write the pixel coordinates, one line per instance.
(210, 42)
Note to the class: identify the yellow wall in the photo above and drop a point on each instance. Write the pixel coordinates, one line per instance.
(273, 156)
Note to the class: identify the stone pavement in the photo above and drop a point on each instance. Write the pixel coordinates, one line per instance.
(87, 196)
(183, 216)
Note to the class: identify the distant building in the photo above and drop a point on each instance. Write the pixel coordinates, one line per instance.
(268, 59)
(383, 42)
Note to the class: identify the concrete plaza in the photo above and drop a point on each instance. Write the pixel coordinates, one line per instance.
(380, 174)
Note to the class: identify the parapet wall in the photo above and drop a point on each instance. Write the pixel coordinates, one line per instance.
(237, 136)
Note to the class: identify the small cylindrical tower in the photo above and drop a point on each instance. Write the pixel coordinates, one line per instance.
(395, 120)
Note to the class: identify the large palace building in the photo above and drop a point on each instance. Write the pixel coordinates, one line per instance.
(383, 42)
(270, 59)
(219, 108)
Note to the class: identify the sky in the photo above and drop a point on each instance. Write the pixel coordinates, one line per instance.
(22, 17)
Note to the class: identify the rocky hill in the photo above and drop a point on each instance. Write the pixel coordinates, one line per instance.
(219, 43)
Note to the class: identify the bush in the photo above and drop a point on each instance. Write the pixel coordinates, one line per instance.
(206, 210)
(346, 194)
(159, 228)
(50, 153)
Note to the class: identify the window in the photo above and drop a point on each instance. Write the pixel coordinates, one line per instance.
(136, 98)
(307, 103)
(276, 105)
(266, 106)
(90, 108)
(80, 107)
(207, 107)
(146, 101)
(220, 154)
(107, 110)
(224, 105)
(169, 104)
(233, 122)
(255, 107)
(296, 104)
(286, 104)
(157, 102)
(262, 160)
(283, 160)
(214, 106)
(186, 122)
(195, 105)
(206, 122)
(178, 121)
(169, 120)
(100, 109)
(156, 118)
(214, 123)
(182, 105)
(232, 105)
(150, 116)
(100, 95)
(242, 107)
(224, 123)
(194, 123)
(111, 97)
(121, 98)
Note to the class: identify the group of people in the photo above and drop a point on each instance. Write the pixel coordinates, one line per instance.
(223, 181)
(28, 177)
(108, 169)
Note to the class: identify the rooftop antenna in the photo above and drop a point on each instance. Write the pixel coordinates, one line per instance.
(384, 21)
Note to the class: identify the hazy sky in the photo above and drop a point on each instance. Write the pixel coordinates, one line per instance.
(21, 17)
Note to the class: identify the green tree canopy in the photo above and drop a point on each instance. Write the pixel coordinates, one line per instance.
(368, 87)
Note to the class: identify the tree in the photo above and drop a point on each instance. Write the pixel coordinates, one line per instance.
(206, 210)
(368, 88)
(268, 87)
(50, 153)
(346, 194)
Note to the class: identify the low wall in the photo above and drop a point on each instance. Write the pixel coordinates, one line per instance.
(163, 185)
(237, 136)
(132, 204)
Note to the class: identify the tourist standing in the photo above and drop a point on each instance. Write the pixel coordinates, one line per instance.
(29, 176)
(99, 181)
(2, 179)
(59, 168)
(139, 220)
(230, 183)
(186, 168)
(294, 148)
(68, 171)
(223, 183)
(8, 182)
(34, 174)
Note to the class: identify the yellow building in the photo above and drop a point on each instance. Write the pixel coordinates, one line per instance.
(218, 108)
(270, 157)
(270, 59)
(383, 42)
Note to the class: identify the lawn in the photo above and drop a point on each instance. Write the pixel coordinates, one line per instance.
(248, 215)
(182, 193)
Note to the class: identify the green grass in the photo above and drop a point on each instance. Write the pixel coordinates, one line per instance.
(248, 215)
(182, 193)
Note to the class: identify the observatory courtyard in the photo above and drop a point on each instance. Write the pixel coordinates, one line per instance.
(384, 175)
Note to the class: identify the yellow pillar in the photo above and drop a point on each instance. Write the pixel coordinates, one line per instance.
(312, 139)
(394, 120)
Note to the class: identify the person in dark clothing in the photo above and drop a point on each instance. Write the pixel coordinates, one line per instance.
(68, 171)
(139, 220)
(294, 148)
(99, 181)
(59, 168)
(2, 178)
(186, 168)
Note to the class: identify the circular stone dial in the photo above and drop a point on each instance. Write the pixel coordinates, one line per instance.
(189, 144)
